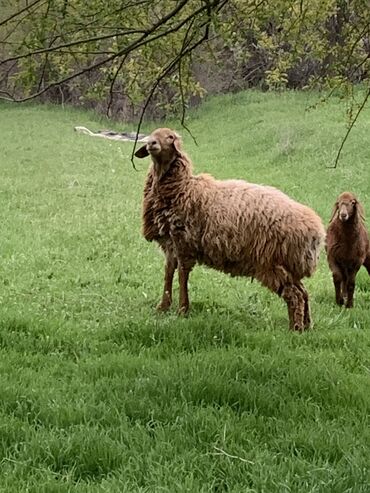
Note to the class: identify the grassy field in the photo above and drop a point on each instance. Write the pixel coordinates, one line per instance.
(98, 393)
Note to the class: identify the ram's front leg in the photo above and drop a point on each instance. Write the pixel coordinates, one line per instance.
(170, 267)
(184, 271)
(340, 283)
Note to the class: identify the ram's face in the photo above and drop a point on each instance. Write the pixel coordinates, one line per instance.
(346, 206)
(163, 143)
(161, 140)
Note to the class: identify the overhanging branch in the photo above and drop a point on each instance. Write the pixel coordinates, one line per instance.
(362, 106)
(148, 36)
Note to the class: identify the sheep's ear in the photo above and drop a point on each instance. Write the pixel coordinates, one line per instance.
(335, 210)
(177, 143)
(142, 152)
(360, 211)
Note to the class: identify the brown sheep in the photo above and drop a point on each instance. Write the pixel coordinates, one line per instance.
(236, 227)
(347, 246)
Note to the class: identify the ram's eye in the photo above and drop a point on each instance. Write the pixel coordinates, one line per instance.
(171, 137)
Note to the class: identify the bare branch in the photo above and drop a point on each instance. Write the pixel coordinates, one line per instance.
(219, 451)
(56, 48)
(62, 81)
(143, 40)
(9, 96)
(183, 106)
(359, 65)
(357, 40)
(367, 95)
(15, 27)
(135, 3)
(20, 12)
(111, 88)
(146, 33)
(170, 67)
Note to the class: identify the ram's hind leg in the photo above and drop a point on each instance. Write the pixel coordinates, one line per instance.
(296, 298)
(295, 301)
(350, 287)
(170, 267)
(307, 313)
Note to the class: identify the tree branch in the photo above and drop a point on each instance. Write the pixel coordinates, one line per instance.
(111, 88)
(183, 106)
(367, 95)
(165, 72)
(20, 12)
(146, 33)
(56, 48)
(143, 40)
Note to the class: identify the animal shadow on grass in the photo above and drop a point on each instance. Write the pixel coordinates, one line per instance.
(249, 311)
(253, 311)
(206, 326)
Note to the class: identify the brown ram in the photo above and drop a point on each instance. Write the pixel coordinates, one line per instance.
(347, 246)
(234, 226)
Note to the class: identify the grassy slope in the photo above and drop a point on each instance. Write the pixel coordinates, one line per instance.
(100, 394)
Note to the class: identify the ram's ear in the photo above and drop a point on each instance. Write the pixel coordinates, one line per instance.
(142, 152)
(335, 211)
(360, 211)
(177, 143)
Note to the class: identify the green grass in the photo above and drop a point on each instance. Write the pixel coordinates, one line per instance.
(98, 393)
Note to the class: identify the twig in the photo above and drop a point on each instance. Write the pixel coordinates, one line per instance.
(164, 73)
(145, 34)
(9, 96)
(183, 105)
(355, 43)
(222, 452)
(172, 65)
(111, 88)
(350, 128)
(19, 12)
(143, 40)
(56, 48)
(62, 95)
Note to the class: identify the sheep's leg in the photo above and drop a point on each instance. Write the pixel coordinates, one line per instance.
(307, 314)
(296, 306)
(184, 271)
(170, 267)
(295, 295)
(350, 288)
(343, 290)
(367, 263)
(339, 284)
(291, 309)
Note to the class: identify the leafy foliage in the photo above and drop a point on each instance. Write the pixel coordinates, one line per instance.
(118, 55)
(298, 43)
(122, 49)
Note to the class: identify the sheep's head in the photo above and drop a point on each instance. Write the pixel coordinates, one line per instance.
(163, 145)
(346, 207)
